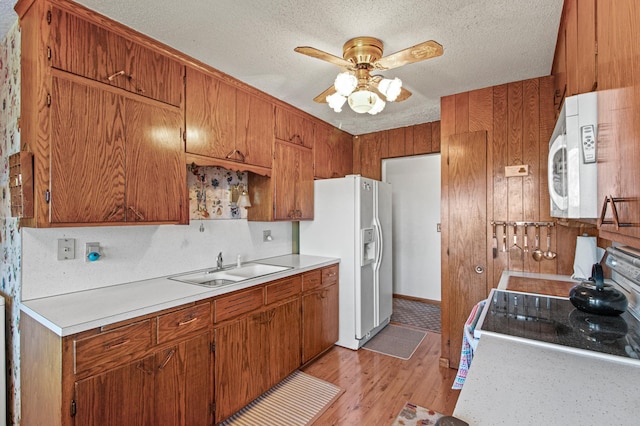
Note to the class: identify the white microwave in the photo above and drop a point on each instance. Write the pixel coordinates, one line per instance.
(572, 163)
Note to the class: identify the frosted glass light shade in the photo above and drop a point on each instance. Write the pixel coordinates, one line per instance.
(362, 101)
(390, 88)
(377, 106)
(336, 101)
(345, 83)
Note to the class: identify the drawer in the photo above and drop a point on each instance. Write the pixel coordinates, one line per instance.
(239, 303)
(330, 275)
(183, 322)
(283, 289)
(112, 348)
(311, 280)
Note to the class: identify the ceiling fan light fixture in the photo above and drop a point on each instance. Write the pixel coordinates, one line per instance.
(345, 83)
(390, 88)
(378, 106)
(336, 101)
(363, 101)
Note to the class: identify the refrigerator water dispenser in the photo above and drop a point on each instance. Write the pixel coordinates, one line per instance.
(368, 246)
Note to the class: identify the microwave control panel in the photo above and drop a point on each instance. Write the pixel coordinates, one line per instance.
(588, 136)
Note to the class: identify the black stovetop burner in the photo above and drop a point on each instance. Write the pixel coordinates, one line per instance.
(555, 320)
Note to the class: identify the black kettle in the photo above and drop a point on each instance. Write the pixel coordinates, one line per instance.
(596, 297)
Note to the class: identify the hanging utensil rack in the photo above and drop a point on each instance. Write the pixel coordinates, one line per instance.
(500, 223)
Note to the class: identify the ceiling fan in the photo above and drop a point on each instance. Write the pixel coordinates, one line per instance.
(364, 91)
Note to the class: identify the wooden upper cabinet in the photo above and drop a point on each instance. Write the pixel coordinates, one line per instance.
(121, 160)
(254, 129)
(88, 50)
(227, 123)
(293, 182)
(210, 115)
(294, 127)
(332, 152)
(422, 140)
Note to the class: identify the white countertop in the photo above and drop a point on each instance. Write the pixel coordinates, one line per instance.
(75, 312)
(516, 383)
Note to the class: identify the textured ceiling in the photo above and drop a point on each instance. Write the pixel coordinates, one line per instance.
(485, 43)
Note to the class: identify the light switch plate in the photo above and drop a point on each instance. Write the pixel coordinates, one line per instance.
(66, 248)
(521, 170)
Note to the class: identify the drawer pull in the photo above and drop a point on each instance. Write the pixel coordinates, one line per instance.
(108, 346)
(189, 321)
(167, 359)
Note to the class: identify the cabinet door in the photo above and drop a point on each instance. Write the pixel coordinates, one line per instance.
(183, 383)
(155, 171)
(254, 129)
(86, 49)
(238, 354)
(210, 113)
(319, 321)
(123, 396)
(332, 152)
(304, 185)
(284, 341)
(293, 127)
(87, 154)
(293, 182)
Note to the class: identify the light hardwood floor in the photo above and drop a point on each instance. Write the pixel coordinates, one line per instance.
(377, 386)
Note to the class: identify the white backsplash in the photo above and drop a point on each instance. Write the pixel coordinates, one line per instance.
(133, 253)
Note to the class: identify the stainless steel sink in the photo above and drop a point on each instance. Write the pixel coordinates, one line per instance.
(228, 275)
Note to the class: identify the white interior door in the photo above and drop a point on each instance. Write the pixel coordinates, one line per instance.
(416, 214)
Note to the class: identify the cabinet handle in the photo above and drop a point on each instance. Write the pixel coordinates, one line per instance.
(189, 321)
(296, 139)
(113, 76)
(231, 154)
(140, 366)
(139, 216)
(108, 346)
(113, 212)
(614, 212)
(167, 359)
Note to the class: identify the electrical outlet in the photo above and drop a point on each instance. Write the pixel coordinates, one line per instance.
(92, 252)
(66, 248)
(266, 236)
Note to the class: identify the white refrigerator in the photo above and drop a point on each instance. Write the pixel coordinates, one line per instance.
(352, 221)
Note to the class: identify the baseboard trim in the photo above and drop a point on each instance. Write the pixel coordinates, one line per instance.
(417, 299)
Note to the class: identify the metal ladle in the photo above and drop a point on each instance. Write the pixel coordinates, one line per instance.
(549, 255)
(537, 253)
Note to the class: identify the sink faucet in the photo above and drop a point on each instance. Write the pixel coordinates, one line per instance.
(220, 260)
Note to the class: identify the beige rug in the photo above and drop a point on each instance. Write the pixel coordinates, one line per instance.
(414, 415)
(296, 401)
(396, 340)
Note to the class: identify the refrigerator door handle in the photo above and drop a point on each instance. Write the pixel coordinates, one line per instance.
(379, 245)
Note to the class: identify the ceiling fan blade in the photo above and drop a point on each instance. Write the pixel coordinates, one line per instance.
(419, 52)
(403, 96)
(319, 54)
(322, 97)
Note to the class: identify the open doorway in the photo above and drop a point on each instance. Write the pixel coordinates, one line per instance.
(416, 215)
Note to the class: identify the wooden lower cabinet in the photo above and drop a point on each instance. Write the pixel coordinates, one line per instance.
(196, 364)
(170, 387)
(254, 353)
(320, 310)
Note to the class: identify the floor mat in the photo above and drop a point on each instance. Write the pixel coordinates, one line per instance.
(417, 314)
(396, 340)
(296, 401)
(415, 415)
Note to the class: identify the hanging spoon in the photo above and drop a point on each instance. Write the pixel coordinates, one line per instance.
(537, 253)
(549, 255)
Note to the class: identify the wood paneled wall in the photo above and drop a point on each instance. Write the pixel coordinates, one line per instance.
(519, 118)
(369, 149)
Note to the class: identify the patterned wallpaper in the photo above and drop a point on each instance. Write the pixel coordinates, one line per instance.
(10, 237)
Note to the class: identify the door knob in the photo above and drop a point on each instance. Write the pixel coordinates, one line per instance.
(479, 269)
